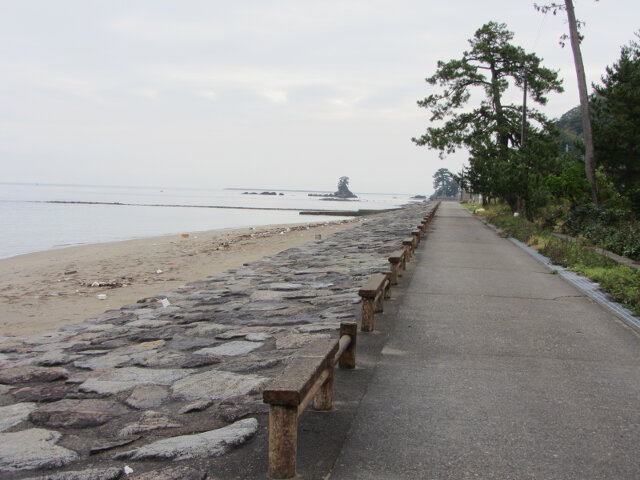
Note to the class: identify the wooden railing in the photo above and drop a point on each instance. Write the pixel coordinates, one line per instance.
(309, 376)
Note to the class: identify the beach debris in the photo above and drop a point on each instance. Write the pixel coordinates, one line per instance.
(127, 470)
(158, 271)
(185, 235)
(110, 284)
(165, 302)
(102, 296)
(70, 272)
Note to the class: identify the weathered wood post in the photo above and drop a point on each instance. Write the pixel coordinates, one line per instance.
(407, 244)
(283, 441)
(348, 358)
(308, 378)
(323, 400)
(387, 287)
(416, 238)
(372, 294)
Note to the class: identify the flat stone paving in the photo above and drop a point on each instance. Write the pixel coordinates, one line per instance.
(130, 391)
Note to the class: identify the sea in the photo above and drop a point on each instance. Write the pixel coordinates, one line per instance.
(39, 217)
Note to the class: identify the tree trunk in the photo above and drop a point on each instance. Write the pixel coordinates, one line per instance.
(589, 155)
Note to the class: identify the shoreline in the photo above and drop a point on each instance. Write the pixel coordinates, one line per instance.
(42, 291)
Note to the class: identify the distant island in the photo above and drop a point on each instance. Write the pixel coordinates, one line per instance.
(342, 194)
(263, 193)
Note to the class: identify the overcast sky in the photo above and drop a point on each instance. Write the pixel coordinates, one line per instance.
(264, 94)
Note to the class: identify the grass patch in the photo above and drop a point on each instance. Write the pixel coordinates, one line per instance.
(620, 281)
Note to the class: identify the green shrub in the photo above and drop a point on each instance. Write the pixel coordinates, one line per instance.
(613, 229)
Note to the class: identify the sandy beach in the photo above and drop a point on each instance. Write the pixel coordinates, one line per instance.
(42, 291)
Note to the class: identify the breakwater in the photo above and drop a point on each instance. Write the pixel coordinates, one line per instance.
(180, 375)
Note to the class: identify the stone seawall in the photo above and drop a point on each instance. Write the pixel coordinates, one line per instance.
(153, 382)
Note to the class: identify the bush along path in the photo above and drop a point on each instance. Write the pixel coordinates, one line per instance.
(130, 391)
(620, 281)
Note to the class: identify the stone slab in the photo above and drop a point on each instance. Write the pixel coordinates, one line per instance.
(216, 385)
(31, 449)
(213, 443)
(72, 413)
(234, 348)
(14, 414)
(122, 379)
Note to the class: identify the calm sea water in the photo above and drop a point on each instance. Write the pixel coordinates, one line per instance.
(31, 224)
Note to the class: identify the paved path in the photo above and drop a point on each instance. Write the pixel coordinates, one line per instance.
(495, 368)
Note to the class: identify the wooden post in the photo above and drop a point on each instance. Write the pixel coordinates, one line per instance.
(323, 400)
(386, 287)
(367, 314)
(283, 441)
(378, 303)
(348, 358)
(394, 272)
(408, 246)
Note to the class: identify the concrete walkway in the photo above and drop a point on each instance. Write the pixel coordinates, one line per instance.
(495, 368)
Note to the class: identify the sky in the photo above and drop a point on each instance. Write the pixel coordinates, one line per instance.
(266, 94)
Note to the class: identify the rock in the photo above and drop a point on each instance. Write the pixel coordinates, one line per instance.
(283, 286)
(89, 474)
(197, 406)
(72, 413)
(14, 414)
(195, 361)
(161, 359)
(182, 343)
(27, 373)
(148, 323)
(111, 360)
(150, 420)
(213, 443)
(216, 385)
(232, 334)
(251, 365)
(319, 327)
(257, 337)
(122, 379)
(267, 306)
(43, 393)
(237, 347)
(267, 296)
(13, 346)
(172, 473)
(121, 357)
(297, 340)
(234, 409)
(104, 445)
(147, 396)
(204, 329)
(53, 359)
(31, 449)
